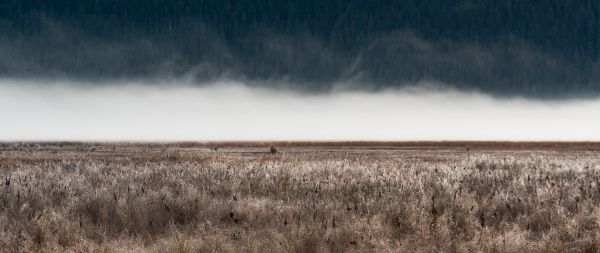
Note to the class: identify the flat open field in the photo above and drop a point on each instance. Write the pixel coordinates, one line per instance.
(305, 197)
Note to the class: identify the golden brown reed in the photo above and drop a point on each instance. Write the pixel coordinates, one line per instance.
(193, 197)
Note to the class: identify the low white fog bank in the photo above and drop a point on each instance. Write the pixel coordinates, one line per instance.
(230, 111)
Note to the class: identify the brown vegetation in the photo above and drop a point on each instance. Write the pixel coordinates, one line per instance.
(79, 197)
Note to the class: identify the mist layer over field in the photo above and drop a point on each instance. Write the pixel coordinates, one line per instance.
(224, 110)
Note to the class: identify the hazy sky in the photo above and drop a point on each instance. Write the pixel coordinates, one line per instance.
(232, 111)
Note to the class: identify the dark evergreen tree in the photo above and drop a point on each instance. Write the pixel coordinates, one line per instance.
(530, 47)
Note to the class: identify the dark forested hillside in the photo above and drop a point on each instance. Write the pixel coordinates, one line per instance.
(504, 47)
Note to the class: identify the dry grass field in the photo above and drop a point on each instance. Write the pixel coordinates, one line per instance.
(305, 197)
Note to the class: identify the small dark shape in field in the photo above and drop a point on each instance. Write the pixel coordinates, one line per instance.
(273, 150)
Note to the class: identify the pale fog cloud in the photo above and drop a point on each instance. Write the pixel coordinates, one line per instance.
(232, 111)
